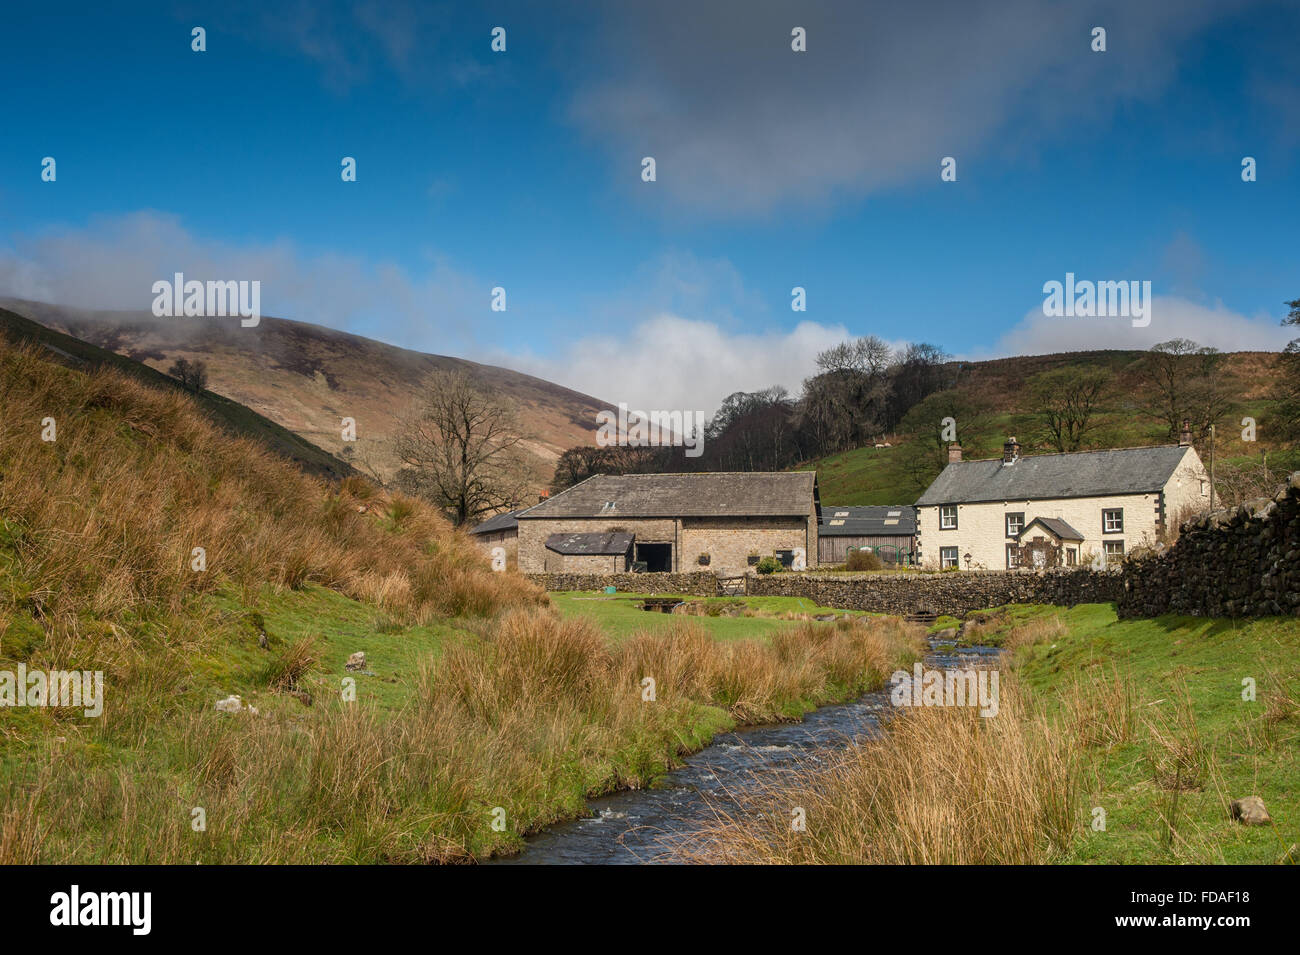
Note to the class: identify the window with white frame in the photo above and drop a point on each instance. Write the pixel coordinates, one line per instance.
(1013, 556)
(947, 556)
(948, 517)
(1015, 523)
(1112, 520)
(1114, 550)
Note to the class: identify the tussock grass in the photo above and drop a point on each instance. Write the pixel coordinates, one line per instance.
(530, 718)
(104, 519)
(939, 786)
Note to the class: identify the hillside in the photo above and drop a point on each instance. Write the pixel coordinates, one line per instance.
(883, 475)
(231, 415)
(306, 378)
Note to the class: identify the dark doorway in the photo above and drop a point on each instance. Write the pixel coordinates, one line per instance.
(658, 558)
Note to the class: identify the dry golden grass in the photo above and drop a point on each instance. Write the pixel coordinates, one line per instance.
(1032, 633)
(941, 786)
(104, 520)
(535, 715)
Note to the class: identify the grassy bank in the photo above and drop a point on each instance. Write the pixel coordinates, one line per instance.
(1143, 720)
(481, 712)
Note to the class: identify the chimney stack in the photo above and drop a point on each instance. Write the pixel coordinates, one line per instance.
(954, 453)
(1010, 450)
(1185, 436)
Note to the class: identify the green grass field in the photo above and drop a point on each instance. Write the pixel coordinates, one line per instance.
(1185, 678)
(620, 615)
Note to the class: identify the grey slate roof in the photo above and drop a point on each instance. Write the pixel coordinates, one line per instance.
(505, 521)
(615, 542)
(708, 494)
(1045, 476)
(873, 521)
(1055, 525)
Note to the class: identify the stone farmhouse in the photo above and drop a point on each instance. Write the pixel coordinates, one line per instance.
(888, 531)
(1085, 507)
(723, 522)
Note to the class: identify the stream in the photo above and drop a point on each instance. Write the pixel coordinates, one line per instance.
(639, 826)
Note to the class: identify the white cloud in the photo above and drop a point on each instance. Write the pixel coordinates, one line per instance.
(1171, 317)
(112, 263)
(669, 363)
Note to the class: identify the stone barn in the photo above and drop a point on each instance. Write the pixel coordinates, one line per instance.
(723, 522)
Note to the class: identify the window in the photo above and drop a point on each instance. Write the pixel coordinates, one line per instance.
(1015, 523)
(948, 517)
(947, 557)
(1205, 488)
(1114, 550)
(1071, 556)
(1013, 556)
(1112, 520)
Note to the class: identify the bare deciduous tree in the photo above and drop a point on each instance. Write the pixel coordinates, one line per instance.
(1066, 402)
(1186, 381)
(191, 374)
(459, 449)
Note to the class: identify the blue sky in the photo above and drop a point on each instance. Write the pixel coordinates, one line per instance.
(775, 169)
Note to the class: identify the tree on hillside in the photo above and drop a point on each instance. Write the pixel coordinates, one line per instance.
(925, 452)
(578, 464)
(1066, 402)
(844, 405)
(193, 375)
(1288, 390)
(916, 373)
(459, 449)
(751, 431)
(1185, 381)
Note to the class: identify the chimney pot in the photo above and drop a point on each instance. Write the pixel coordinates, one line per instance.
(954, 453)
(1185, 436)
(1010, 450)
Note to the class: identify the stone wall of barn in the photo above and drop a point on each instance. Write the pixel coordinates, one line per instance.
(585, 563)
(1237, 562)
(533, 534)
(729, 542)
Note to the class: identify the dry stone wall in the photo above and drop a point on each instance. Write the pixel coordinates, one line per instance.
(1237, 562)
(954, 592)
(703, 584)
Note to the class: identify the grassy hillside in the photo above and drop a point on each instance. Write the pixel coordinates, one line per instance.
(306, 378)
(882, 475)
(1143, 720)
(477, 701)
(234, 416)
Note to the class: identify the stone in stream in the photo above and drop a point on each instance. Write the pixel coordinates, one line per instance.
(1251, 812)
